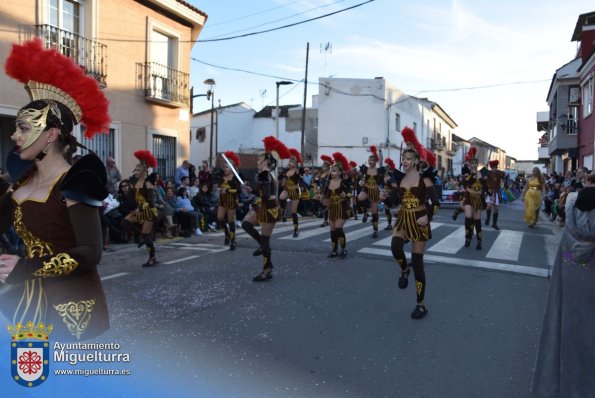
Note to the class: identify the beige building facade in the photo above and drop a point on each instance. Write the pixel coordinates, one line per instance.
(138, 51)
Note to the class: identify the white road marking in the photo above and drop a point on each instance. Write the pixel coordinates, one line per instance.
(507, 246)
(179, 260)
(520, 269)
(119, 274)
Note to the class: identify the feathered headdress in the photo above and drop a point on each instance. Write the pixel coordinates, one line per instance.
(145, 156)
(296, 154)
(49, 75)
(276, 148)
(231, 155)
(390, 163)
(494, 163)
(411, 141)
(341, 160)
(327, 159)
(374, 151)
(429, 157)
(352, 163)
(471, 154)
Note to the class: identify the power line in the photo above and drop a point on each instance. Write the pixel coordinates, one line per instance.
(280, 19)
(256, 13)
(286, 26)
(486, 86)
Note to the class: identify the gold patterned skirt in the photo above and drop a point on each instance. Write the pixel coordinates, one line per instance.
(268, 212)
(339, 209)
(373, 194)
(228, 200)
(475, 200)
(293, 193)
(407, 221)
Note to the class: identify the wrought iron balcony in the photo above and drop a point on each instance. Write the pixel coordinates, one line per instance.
(91, 55)
(165, 85)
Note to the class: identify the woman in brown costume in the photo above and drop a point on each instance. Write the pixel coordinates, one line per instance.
(412, 218)
(54, 204)
(292, 188)
(267, 212)
(372, 176)
(386, 194)
(473, 199)
(322, 183)
(230, 188)
(145, 213)
(338, 195)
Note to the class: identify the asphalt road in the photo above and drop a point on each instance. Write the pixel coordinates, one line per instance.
(197, 326)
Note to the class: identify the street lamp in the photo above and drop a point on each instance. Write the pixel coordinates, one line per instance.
(211, 94)
(281, 83)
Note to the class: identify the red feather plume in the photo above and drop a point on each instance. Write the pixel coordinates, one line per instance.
(374, 151)
(352, 163)
(471, 154)
(327, 159)
(31, 61)
(296, 154)
(233, 157)
(429, 157)
(410, 138)
(390, 163)
(145, 156)
(494, 163)
(342, 160)
(271, 144)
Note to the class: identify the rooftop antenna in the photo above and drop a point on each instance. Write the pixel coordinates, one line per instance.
(263, 93)
(326, 49)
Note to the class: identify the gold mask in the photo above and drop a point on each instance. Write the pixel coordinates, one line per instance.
(36, 119)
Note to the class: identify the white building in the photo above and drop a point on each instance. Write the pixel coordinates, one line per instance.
(354, 114)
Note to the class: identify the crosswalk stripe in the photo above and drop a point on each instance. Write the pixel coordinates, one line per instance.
(520, 269)
(117, 275)
(387, 241)
(313, 232)
(241, 232)
(507, 246)
(354, 235)
(450, 244)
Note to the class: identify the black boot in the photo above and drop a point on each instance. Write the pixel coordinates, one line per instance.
(488, 214)
(495, 224)
(478, 234)
(469, 231)
(456, 213)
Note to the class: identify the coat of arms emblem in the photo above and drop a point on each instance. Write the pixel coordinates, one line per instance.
(29, 353)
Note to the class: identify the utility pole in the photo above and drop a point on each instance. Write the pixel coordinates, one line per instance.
(305, 96)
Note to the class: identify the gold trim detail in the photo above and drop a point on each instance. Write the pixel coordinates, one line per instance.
(35, 247)
(37, 90)
(60, 264)
(76, 315)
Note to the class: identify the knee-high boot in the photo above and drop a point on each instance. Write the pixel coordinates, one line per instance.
(294, 218)
(478, 233)
(232, 235)
(468, 231)
(396, 247)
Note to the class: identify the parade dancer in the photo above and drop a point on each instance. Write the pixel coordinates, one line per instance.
(473, 200)
(412, 218)
(325, 175)
(354, 176)
(229, 189)
(494, 197)
(372, 176)
(144, 193)
(53, 204)
(292, 188)
(267, 213)
(532, 195)
(338, 195)
(388, 181)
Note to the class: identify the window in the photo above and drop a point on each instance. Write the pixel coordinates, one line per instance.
(201, 134)
(102, 144)
(397, 122)
(588, 97)
(164, 150)
(66, 16)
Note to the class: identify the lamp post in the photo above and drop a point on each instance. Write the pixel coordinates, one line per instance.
(211, 95)
(281, 83)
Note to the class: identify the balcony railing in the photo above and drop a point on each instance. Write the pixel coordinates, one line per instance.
(89, 54)
(165, 85)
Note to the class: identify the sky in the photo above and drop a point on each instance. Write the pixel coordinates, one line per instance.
(489, 64)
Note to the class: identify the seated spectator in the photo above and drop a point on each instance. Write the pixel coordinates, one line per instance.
(194, 188)
(164, 211)
(185, 209)
(202, 202)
